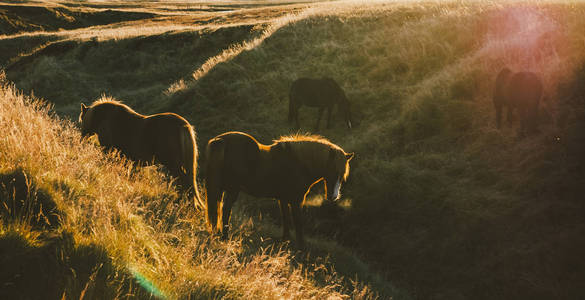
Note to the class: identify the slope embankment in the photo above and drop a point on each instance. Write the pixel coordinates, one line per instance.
(439, 201)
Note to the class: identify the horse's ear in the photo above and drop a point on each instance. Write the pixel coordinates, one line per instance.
(83, 108)
(349, 156)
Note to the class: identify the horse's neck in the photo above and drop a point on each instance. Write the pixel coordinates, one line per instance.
(311, 169)
(125, 126)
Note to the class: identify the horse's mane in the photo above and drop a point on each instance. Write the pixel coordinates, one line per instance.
(109, 100)
(300, 137)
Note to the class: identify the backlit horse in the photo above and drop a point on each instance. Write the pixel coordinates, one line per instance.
(284, 170)
(521, 92)
(323, 93)
(164, 138)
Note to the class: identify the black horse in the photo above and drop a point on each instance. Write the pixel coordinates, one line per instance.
(286, 170)
(520, 91)
(322, 93)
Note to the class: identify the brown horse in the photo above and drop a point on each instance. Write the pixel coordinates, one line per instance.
(323, 93)
(521, 92)
(285, 170)
(164, 138)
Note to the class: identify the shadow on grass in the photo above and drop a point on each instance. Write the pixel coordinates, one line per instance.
(20, 199)
(53, 267)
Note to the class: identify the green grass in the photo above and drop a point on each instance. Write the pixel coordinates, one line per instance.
(439, 202)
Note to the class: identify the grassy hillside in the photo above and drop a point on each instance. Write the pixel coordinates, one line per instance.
(102, 229)
(439, 202)
(23, 18)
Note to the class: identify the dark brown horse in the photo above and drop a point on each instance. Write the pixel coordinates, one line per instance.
(164, 138)
(285, 170)
(520, 92)
(323, 93)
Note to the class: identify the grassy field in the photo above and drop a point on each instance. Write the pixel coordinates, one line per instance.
(439, 204)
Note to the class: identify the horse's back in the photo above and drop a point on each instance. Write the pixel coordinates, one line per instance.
(167, 120)
(244, 163)
(520, 89)
(525, 88)
(239, 148)
(169, 138)
(118, 128)
(316, 92)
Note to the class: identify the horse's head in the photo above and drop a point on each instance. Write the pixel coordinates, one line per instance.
(344, 105)
(86, 121)
(337, 172)
(346, 113)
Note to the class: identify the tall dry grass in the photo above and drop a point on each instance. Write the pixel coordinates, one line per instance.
(149, 232)
(438, 200)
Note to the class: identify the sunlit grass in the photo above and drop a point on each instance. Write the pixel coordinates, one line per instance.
(438, 199)
(138, 218)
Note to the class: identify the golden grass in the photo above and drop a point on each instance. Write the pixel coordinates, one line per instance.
(137, 216)
(430, 170)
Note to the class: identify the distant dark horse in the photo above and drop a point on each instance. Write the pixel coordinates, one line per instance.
(164, 138)
(519, 91)
(285, 170)
(322, 93)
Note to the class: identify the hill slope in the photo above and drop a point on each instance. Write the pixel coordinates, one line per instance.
(438, 200)
(105, 230)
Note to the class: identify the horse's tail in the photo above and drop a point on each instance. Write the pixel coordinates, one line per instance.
(189, 153)
(214, 165)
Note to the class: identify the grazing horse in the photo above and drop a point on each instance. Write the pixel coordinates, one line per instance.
(519, 91)
(164, 138)
(285, 170)
(322, 93)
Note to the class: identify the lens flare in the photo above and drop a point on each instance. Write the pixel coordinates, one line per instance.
(526, 38)
(147, 284)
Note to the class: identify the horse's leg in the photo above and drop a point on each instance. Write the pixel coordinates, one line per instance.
(178, 171)
(214, 195)
(226, 209)
(284, 213)
(523, 122)
(329, 109)
(510, 115)
(296, 214)
(319, 114)
(498, 108)
(296, 112)
(532, 119)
